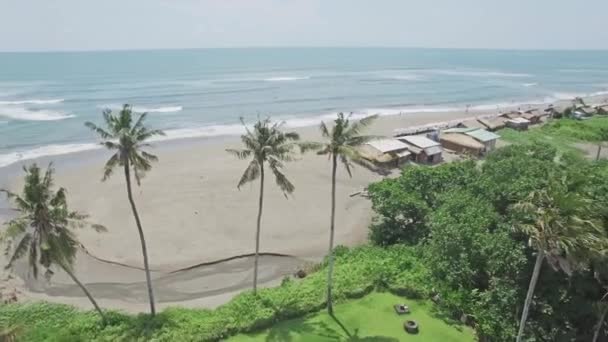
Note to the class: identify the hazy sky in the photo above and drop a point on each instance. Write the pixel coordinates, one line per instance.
(137, 24)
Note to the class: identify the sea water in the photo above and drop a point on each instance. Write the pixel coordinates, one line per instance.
(45, 98)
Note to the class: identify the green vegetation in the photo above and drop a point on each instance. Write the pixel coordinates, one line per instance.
(267, 144)
(479, 227)
(128, 139)
(358, 272)
(562, 134)
(371, 318)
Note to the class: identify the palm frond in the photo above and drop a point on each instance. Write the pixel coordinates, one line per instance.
(240, 154)
(324, 130)
(100, 131)
(356, 127)
(251, 173)
(20, 249)
(284, 184)
(110, 165)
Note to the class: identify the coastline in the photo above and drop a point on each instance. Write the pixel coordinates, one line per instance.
(192, 213)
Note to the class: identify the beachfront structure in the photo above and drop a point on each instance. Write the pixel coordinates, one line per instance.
(486, 138)
(534, 118)
(518, 123)
(473, 141)
(461, 143)
(423, 149)
(386, 152)
(493, 124)
(473, 123)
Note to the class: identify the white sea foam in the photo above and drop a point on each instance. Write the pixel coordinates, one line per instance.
(143, 109)
(475, 73)
(22, 113)
(405, 77)
(284, 79)
(527, 85)
(34, 101)
(44, 151)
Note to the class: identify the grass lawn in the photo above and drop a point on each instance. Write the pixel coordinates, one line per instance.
(371, 318)
(561, 134)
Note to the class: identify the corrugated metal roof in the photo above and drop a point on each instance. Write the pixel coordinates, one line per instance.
(414, 149)
(433, 150)
(473, 124)
(420, 141)
(387, 145)
(519, 120)
(458, 130)
(482, 135)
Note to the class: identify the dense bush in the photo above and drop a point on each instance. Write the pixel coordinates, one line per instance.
(358, 271)
(479, 265)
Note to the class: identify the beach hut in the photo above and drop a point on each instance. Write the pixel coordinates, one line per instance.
(493, 124)
(473, 123)
(423, 149)
(487, 139)
(462, 143)
(534, 118)
(518, 123)
(386, 152)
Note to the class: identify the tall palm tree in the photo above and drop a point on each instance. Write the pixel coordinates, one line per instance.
(43, 229)
(555, 226)
(340, 145)
(127, 138)
(266, 144)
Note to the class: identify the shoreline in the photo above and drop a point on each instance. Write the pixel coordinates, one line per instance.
(192, 214)
(209, 132)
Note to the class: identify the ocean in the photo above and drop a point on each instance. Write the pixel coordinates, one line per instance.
(45, 98)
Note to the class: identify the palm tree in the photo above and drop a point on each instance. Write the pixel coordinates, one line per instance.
(340, 145)
(127, 140)
(601, 308)
(556, 229)
(43, 229)
(266, 144)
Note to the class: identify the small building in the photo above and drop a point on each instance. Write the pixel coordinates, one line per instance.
(493, 124)
(462, 143)
(386, 152)
(423, 149)
(518, 123)
(487, 139)
(473, 123)
(511, 115)
(534, 118)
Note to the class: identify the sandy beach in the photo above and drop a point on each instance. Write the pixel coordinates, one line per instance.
(192, 213)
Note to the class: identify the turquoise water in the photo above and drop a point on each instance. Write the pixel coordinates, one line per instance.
(46, 97)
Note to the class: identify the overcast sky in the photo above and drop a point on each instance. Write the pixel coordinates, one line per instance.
(146, 24)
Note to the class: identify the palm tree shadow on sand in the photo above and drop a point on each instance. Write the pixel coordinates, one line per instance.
(329, 332)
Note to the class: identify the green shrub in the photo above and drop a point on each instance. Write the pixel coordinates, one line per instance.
(357, 272)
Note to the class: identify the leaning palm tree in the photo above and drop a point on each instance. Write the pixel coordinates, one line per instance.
(265, 144)
(340, 145)
(127, 139)
(555, 226)
(43, 228)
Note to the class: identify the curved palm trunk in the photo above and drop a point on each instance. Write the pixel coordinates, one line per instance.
(599, 324)
(257, 233)
(599, 151)
(86, 292)
(330, 268)
(144, 250)
(524, 315)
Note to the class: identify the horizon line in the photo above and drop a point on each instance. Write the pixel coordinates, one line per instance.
(252, 47)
